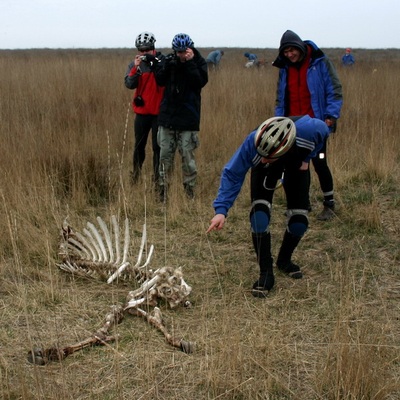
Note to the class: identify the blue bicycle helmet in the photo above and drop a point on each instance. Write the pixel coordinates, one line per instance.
(181, 42)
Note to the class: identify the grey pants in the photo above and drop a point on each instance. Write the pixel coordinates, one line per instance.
(186, 142)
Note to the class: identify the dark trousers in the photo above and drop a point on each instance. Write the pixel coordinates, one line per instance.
(296, 184)
(324, 174)
(143, 125)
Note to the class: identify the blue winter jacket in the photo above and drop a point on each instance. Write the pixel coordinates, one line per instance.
(323, 84)
(310, 136)
(214, 57)
(251, 56)
(348, 60)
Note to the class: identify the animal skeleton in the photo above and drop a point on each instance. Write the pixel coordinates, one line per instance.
(93, 254)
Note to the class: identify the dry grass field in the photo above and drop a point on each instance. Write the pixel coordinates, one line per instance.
(66, 148)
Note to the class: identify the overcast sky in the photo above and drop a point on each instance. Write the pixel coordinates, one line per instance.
(210, 23)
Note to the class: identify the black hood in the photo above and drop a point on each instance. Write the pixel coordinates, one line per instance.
(291, 39)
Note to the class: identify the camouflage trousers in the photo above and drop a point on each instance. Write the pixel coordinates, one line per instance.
(186, 142)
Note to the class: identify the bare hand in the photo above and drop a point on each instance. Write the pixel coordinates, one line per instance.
(138, 60)
(186, 55)
(217, 223)
(304, 166)
(330, 122)
(189, 54)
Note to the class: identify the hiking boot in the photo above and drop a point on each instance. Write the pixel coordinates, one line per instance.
(326, 214)
(263, 285)
(291, 270)
(189, 190)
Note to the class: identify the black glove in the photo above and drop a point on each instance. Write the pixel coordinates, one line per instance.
(149, 58)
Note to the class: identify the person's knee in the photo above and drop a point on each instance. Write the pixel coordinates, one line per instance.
(297, 223)
(260, 216)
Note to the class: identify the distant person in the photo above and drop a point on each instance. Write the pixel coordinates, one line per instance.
(146, 102)
(348, 58)
(183, 73)
(308, 84)
(252, 60)
(214, 58)
(278, 145)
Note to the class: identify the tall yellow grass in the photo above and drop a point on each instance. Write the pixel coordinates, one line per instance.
(67, 136)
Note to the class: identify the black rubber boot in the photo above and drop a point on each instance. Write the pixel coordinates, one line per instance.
(284, 261)
(262, 247)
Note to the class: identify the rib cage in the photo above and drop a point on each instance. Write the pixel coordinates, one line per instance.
(96, 253)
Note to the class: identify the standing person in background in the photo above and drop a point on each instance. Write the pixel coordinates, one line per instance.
(146, 102)
(214, 58)
(308, 84)
(252, 60)
(183, 74)
(348, 58)
(278, 145)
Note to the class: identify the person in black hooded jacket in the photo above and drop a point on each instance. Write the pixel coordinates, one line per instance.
(183, 74)
(309, 85)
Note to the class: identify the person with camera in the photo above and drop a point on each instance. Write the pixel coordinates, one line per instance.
(279, 144)
(183, 74)
(140, 76)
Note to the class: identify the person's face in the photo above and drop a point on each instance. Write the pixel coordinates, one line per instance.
(145, 51)
(185, 55)
(293, 54)
(181, 55)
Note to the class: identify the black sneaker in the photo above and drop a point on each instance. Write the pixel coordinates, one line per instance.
(326, 214)
(291, 270)
(263, 285)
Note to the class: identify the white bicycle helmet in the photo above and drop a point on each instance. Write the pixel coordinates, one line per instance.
(145, 40)
(275, 137)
